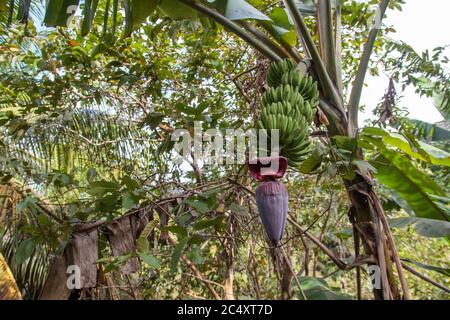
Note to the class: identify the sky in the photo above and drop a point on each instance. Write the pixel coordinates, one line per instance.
(423, 25)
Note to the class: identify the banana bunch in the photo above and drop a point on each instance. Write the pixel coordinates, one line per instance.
(289, 106)
(277, 70)
(303, 84)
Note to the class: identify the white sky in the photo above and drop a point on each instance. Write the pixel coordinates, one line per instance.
(423, 25)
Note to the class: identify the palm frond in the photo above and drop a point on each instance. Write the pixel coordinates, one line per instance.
(30, 273)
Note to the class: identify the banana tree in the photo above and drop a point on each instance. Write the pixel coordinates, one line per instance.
(310, 34)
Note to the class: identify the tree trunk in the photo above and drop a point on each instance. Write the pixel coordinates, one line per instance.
(370, 223)
(369, 220)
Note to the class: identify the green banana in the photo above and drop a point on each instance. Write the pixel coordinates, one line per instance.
(289, 106)
(277, 70)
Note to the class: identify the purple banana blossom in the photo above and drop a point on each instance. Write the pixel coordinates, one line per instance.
(272, 201)
(268, 168)
(271, 195)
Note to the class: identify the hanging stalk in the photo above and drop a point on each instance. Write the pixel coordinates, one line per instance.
(235, 28)
(326, 36)
(324, 78)
(355, 95)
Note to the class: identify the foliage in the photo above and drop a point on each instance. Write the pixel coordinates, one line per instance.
(85, 121)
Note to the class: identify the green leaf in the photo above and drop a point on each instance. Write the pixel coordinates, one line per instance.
(150, 260)
(3, 6)
(238, 209)
(198, 205)
(195, 255)
(399, 201)
(444, 271)
(280, 18)
(318, 289)
(100, 188)
(44, 220)
(136, 13)
(344, 143)
(409, 145)
(416, 188)
(428, 131)
(153, 119)
(311, 163)
(440, 97)
(177, 254)
(24, 250)
(204, 224)
(167, 145)
(148, 229)
(179, 230)
(364, 166)
(29, 203)
(176, 10)
(127, 201)
(130, 183)
(281, 26)
(210, 193)
(425, 227)
(142, 245)
(196, 239)
(238, 10)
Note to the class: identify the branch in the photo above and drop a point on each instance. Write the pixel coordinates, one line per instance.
(355, 95)
(425, 278)
(15, 185)
(303, 33)
(342, 265)
(197, 273)
(233, 27)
